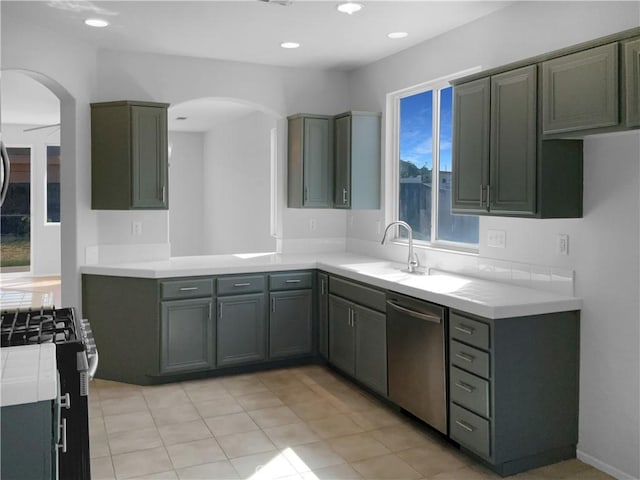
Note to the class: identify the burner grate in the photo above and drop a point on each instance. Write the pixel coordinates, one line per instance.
(27, 327)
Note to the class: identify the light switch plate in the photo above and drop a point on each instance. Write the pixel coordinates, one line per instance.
(496, 238)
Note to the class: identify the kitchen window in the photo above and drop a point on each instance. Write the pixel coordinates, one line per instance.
(421, 167)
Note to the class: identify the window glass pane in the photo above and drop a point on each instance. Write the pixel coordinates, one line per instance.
(453, 228)
(15, 214)
(53, 184)
(416, 163)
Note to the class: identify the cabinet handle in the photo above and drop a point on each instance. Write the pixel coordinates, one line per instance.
(306, 194)
(466, 357)
(344, 196)
(273, 305)
(188, 289)
(464, 329)
(465, 425)
(322, 287)
(292, 281)
(164, 193)
(219, 310)
(65, 401)
(63, 435)
(481, 195)
(465, 386)
(245, 284)
(488, 197)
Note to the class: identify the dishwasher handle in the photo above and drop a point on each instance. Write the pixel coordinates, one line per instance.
(419, 315)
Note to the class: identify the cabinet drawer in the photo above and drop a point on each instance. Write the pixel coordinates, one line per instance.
(365, 296)
(290, 281)
(470, 359)
(240, 284)
(201, 287)
(470, 391)
(469, 331)
(470, 431)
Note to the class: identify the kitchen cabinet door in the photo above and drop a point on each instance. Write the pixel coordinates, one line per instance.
(241, 329)
(371, 348)
(186, 335)
(470, 155)
(631, 82)
(357, 160)
(129, 156)
(513, 147)
(580, 91)
(323, 315)
(310, 165)
(341, 335)
(290, 323)
(342, 187)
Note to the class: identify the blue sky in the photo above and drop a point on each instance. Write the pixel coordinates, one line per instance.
(416, 121)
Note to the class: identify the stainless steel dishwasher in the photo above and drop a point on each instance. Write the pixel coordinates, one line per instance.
(416, 358)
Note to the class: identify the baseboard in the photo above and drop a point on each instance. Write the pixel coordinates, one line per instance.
(605, 467)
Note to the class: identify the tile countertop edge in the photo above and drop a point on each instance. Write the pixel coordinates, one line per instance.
(335, 264)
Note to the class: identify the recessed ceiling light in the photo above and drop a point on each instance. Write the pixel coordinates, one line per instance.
(96, 22)
(350, 7)
(289, 44)
(181, 118)
(396, 35)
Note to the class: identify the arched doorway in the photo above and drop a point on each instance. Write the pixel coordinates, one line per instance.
(50, 182)
(223, 173)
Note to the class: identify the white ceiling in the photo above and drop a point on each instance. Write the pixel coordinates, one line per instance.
(27, 102)
(239, 30)
(205, 113)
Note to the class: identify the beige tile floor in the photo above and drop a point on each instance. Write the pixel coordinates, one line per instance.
(303, 423)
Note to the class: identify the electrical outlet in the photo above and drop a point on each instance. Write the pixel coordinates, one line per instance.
(312, 224)
(496, 238)
(563, 244)
(136, 229)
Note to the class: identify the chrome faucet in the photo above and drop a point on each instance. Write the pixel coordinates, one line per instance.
(412, 261)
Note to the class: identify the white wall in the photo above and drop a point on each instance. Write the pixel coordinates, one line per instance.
(273, 90)
(45, 237)
(237, 190)
(67, 67)
(186, 195)
(603, 244)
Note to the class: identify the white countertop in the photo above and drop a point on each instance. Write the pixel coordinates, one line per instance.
(29, 374)
(477, 296)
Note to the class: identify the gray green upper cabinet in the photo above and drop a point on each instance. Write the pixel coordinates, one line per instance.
(129, 164)
(310, 161)
(512, 165)
(357, 160)
(631, 82)
(580, 91)
(470, 151)
(494, 145)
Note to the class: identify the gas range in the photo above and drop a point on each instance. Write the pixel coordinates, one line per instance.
(77, 360)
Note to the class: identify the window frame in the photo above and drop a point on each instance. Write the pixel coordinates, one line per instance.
(392, 163)
(46, 184)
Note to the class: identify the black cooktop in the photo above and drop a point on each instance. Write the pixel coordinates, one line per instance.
(30, 327)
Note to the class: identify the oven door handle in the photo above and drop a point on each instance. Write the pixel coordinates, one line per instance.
(93, 364)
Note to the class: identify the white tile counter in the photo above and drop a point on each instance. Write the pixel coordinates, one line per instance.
(29, 374)
(481, 297)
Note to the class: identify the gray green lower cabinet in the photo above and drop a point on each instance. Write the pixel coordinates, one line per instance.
(241, 329)
(291, 323)
(27, 441)
(513, 388)
(187, 335)
(358, 341)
